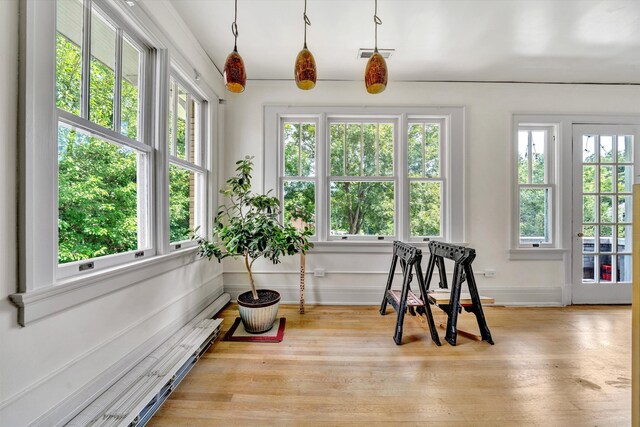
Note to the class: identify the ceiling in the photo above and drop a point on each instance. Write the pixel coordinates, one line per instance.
(590, 41)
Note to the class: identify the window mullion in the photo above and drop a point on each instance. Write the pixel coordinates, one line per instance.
(117, 90)
(530, 156)
(424, 143)
(344, 145)
(187, 128)
(86, 60)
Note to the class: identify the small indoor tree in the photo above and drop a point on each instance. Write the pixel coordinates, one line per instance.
(249, 226)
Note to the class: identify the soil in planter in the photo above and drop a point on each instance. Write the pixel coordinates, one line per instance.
(264, 296)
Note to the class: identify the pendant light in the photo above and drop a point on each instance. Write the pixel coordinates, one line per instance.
(376, 75)
(235, 75)
(305, 66)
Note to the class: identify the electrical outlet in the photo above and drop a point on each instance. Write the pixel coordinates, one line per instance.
(318, 272)
(489, 272)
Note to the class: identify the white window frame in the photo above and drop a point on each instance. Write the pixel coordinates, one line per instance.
(550, 183)
(282, 178)
(41, 292)
(442, 179)
(454, 218)
(328, 178)
(199, 166)
(146, 243)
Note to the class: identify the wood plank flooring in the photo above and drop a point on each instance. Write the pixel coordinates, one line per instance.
(338, 365)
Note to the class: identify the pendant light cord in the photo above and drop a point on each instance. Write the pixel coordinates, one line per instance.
(377, 21)
(306, 22)
(234, 29)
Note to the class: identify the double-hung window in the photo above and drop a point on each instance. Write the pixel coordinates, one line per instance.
(426, 178)
(103, 157)
(370, 174)
(535, 185)
(361, 179)
(299, 178)
(187, 168)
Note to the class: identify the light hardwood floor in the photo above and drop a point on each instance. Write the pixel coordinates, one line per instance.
(338, 365)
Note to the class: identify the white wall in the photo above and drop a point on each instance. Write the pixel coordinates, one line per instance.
(47, 361)
(488, 116)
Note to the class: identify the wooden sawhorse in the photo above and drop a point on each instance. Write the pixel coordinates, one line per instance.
(410, 259)
(462, 271)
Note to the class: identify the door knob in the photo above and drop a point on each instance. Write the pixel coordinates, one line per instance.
(580, 234)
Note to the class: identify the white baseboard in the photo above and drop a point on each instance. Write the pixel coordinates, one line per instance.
(72, 404)
(365, 294)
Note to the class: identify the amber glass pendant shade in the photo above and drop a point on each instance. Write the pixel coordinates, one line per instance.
(235, 74)
(376, 75)
(305, 70)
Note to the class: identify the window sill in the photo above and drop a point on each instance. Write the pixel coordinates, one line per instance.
(537, 254)
(365, 247)
(67, 293)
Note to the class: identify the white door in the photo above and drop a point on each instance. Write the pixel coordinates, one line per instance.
(605, 164)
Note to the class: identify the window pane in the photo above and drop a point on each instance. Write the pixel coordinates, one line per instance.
(415, 142)
(362, 208)
(606, 209)
(354, 153)
(588, 208)
(194, 132)
(291, 149)
(97, 197)
(425, 204)
(538, 156)
(588, 179)
(308, 149)
(300, 204)
(181, 125)
(624, 268)
(625, 209)
(337, 149)
(534, 215)
(523, 157)
(625, 147)
(589, 238)
(606, 149)
(624, 238)
(369, 154)
(588, 271)
(183, 187)
(69, 55)
(432, 151)
(589, 149)
(385, 141)
(605, 268)
(625, 179)
(130, 90)
(606, 238)
(606, 179)
(102, 77)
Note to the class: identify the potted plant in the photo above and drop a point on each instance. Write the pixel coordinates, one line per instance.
(248, 226)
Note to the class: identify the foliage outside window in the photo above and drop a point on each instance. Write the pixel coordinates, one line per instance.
(535, 186)
(102, 162)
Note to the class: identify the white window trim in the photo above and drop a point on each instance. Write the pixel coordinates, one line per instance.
(454, 195)
(40, 293)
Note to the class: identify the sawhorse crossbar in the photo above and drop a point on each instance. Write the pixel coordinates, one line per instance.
(410, 259)
(462, 271)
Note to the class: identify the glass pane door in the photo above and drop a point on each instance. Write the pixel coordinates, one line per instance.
(603, 182)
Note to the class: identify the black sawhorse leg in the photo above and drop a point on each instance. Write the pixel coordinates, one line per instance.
(410, 259)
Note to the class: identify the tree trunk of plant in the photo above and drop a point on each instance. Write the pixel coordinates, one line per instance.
(251, 283)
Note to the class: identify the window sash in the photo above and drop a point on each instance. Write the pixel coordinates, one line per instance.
(550, 216)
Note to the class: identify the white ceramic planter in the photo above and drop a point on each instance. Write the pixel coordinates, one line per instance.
(258, 318)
